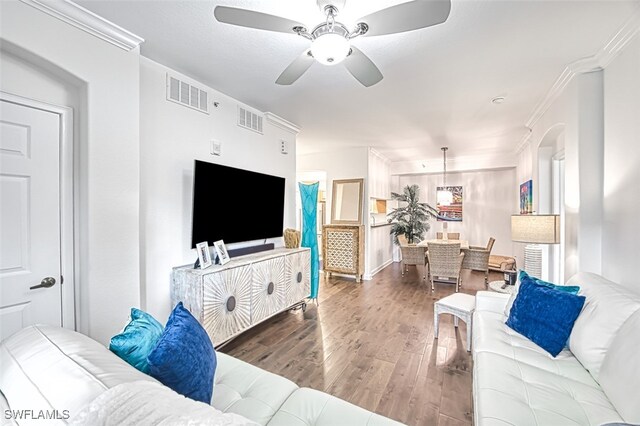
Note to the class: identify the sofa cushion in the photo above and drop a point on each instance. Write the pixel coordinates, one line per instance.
(50, 368)
(490, 301)
(4, 405)
(544, 315)
(507, 391)
(184, 358)
(607, 307)
(146, 403)
(620, 372)
(247, 390)
(491, 334)
(309, 407)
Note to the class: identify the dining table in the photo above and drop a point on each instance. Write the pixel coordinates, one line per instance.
(464, 244)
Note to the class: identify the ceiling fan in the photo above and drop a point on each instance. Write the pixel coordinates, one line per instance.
(331, 40)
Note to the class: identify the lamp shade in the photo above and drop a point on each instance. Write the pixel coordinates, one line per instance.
(536, 229)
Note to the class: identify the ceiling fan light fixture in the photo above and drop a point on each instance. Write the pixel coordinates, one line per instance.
(330, 48)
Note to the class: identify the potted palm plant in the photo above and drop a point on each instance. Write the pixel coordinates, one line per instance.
(410, 219)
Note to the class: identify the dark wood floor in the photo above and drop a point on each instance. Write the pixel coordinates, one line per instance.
(372, 344)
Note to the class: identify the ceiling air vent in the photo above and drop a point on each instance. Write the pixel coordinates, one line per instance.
(185, 94)
(249, 120)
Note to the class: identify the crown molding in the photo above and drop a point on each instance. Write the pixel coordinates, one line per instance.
(281, 123)
(379, 155)
(523, 142)
(617, 44)
(76, 15)
(595, 62)
(462, 164)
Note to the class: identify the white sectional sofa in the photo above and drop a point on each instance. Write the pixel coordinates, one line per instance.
(50, 368)
(595, 380)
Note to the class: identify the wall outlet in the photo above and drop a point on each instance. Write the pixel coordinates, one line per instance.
(284, 147)
(216, 148)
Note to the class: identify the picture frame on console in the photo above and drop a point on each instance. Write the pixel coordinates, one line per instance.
(221, 250)
(204, 256)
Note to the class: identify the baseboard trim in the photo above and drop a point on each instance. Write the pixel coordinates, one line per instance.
(378, 269)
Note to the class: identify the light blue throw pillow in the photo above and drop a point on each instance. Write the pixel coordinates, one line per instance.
(524, 277)
(137, 340)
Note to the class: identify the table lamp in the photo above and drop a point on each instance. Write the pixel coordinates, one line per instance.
(535, 230)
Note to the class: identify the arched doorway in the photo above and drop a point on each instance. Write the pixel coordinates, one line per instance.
(551, 194)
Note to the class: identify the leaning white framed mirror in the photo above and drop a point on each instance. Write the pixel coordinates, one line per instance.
(346, 201)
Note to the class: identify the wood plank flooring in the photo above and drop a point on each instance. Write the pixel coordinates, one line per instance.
(372, 344)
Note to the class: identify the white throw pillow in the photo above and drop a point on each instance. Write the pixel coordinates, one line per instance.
(620, 372)
(607, 307)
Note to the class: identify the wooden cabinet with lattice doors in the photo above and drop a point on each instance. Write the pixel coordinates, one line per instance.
(343, 250)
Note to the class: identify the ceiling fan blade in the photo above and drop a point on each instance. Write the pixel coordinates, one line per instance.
(294, 71)
(408, 16)
(253, 19)
(362, 68)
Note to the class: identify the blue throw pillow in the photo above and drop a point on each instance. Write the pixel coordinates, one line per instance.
(184, 358)
(137, 340)
(545, 315)
(523, 276)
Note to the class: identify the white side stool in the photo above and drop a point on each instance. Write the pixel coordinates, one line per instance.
(459, 305)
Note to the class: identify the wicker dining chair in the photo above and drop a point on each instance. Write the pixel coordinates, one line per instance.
(445, 260)
(450, 235)
(477, 259)
(412, 255)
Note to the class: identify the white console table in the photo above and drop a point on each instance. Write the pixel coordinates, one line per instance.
(229, 299)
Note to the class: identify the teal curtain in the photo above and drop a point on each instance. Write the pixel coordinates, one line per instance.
(309, 198)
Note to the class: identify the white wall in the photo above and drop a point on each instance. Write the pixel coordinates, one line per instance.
(348, 163)
(490, 197)
(107, 152)
(24, 74)
(574, 119)
(459, 162)
(171, 137)
(621, 227)
(380, 242)
(599, 113)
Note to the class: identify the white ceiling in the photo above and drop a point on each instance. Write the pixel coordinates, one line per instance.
(438, 82)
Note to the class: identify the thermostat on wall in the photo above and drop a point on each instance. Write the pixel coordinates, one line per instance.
(216, 147)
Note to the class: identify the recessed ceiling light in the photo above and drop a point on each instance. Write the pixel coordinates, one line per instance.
(498, 100)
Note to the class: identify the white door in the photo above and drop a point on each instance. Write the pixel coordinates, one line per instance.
(30, 290)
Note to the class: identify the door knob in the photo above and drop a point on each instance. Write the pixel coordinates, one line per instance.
(45, 283)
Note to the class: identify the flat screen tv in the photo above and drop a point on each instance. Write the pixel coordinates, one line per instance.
(235, 205)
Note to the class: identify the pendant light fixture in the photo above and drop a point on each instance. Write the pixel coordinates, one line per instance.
(444, 196)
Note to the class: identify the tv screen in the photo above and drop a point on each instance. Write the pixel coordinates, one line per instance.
(235, 205)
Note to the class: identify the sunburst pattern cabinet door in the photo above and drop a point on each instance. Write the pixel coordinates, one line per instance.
(227, 303)
(268, 291)
(297, 276)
